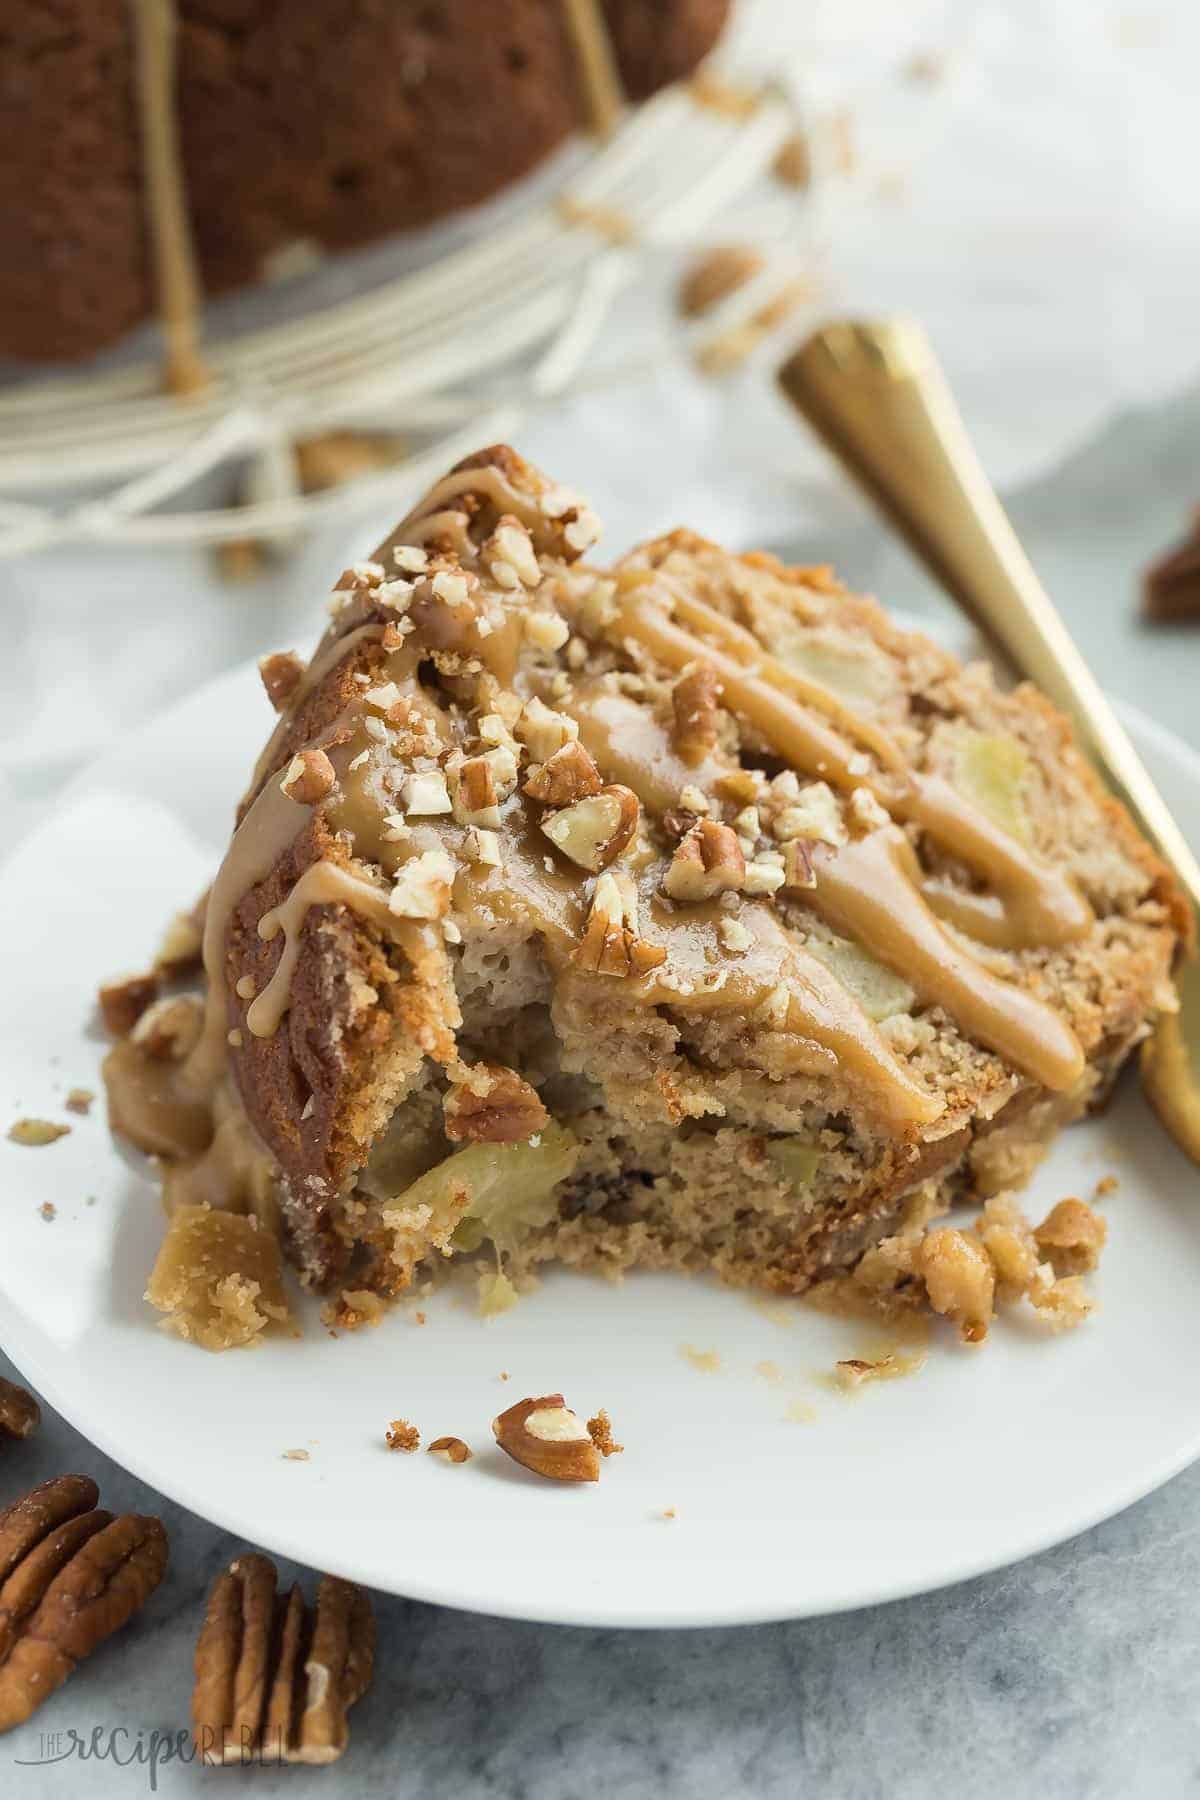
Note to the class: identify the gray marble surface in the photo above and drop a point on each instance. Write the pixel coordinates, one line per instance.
(1074, 1674)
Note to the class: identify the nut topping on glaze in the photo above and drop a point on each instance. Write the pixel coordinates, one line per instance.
(611, 944)
(567, 776)
(707, 862)
(595, 830)
(694, 700)
(309, 777)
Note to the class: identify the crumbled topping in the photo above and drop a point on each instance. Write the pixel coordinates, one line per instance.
(866, 810)
(600, 1432)
(510, 547)
(410, 558)
(422, 886)
(424, 795)
(546, 631)
(482, 847)
(814, 814)
(763, 877)
(453, 588)
(734, 935)
(396, 595)
(542, 730)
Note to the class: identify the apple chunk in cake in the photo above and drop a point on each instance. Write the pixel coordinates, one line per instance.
(682, 913)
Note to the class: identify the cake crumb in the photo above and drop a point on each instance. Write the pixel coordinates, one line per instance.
(799, 1412)
(297, 1456)
(668, 1512)
(354, 1309)
(770, 1371)
(707, 1361)
(33, 1133)
(1108, 1184)
(48, 1210)
(79, 1100)
(504, 1375)
(419, 1318)
(403, 1436)
(854, 1372)
(600, 1432)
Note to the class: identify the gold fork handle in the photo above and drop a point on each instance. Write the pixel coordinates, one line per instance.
(876, 396)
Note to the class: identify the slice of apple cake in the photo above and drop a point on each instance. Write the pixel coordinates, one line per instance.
(684, 913)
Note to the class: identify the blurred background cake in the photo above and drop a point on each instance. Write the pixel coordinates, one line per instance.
(317, 123)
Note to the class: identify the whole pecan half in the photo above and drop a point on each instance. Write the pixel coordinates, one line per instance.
(70, 1575)
(274, 1683)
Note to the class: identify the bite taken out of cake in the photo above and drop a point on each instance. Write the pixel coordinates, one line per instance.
(679, 914)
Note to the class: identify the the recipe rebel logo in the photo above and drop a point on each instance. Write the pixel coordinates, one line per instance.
(146, 1748)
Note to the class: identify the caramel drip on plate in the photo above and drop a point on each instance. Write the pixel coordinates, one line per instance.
(867, 890)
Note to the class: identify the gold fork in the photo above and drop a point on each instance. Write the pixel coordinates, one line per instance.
(874, 393)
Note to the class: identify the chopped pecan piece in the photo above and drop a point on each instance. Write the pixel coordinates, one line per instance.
(707, 862)
(677, 821)
(122, 1002)
(308, 777)
(611, 944)
(281, 672)
(595, 830)
(181, 948)
(451, 1450)
(476, 796)
(492, 1104)
(261, 1695)
(20, 1414)
(567, 776)
(798, 870)
(695, 701)
(71, 1577)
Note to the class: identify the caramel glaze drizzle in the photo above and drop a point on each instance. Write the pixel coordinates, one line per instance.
(875, 894)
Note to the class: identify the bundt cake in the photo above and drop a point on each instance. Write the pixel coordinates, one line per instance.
(324, 122)
(679, 914)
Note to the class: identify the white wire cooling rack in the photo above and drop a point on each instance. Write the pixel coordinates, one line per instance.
(511, 315)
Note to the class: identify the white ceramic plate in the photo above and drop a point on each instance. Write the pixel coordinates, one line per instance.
(979, 1459)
